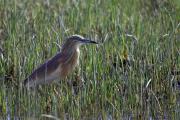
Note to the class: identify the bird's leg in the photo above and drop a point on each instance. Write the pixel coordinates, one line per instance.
(77, 82)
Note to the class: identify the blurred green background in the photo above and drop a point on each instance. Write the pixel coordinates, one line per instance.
(133, 74)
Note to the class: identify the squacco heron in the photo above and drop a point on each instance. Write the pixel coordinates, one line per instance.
(60, 65)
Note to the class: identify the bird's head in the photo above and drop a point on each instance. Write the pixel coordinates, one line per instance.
(75, 41)
(79, 40)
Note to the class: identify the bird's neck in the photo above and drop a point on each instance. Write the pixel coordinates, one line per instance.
(72, 56)
(69, 51)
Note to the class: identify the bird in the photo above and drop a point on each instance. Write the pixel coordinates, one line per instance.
(59, 66)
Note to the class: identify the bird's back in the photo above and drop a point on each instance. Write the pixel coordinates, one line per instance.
(59, 66)
(40, 75)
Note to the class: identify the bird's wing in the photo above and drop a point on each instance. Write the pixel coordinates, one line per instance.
(46, 69)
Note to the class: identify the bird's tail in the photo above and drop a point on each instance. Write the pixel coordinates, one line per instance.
(25, 82)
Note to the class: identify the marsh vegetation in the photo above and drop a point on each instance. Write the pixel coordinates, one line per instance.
(133, 74)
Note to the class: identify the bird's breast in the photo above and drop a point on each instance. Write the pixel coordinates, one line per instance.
(68, 66)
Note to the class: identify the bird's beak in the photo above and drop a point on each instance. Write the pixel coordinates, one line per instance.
(88, 41)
